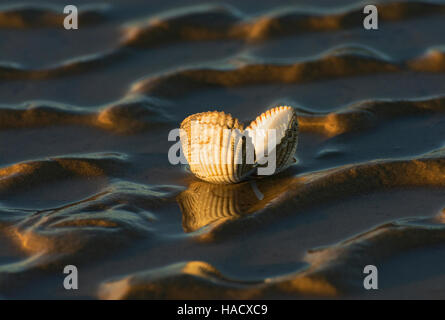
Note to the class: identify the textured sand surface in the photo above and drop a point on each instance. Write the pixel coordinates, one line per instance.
(85, 178)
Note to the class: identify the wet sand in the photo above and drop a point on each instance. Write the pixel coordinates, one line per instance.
(85, 178)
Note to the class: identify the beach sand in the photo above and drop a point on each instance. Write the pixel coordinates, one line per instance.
(85, 178)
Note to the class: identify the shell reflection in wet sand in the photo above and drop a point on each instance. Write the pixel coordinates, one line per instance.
(205, 203)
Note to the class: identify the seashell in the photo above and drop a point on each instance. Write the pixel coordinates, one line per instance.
(284, 120)
(213, 146)
(219, 150)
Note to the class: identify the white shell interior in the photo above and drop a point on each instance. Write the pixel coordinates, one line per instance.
(259, 130)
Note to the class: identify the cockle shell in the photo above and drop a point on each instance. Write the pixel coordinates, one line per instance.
(212, 147)
(284, 120)
(219, 150)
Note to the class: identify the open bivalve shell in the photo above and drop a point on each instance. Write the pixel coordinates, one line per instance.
(219, 150)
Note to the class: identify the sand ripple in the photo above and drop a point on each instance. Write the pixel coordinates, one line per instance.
(20, 176)
(219, 22)
(79, 232)
(323, 277)
(223, 22)
(368, 114)
(36, 16)
(125, 117)
(334, 64)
